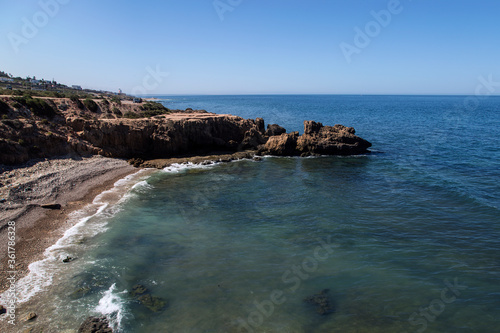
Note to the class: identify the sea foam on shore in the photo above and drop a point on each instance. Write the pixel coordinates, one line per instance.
(86, 223)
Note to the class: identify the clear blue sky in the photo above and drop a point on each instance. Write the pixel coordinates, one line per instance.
(260, 46)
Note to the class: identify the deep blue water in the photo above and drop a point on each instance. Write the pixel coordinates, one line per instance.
(406, 239)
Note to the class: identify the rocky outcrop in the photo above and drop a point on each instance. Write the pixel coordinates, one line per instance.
(25, 136)
(274, 129)
(317, 140)
(95, 325)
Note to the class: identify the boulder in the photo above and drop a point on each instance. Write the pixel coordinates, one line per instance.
(282, 145)
(253, 138)
(330, 140)
(95, 325)
(274, 129)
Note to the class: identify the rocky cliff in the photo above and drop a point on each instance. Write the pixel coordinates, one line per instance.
(26, 134)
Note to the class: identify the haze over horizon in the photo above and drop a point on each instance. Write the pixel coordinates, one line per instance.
(256, 47)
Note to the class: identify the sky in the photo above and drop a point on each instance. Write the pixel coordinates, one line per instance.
(256, 46)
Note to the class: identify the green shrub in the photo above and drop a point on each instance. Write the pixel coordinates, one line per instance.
(39, 107)
(105, 101)
(117, 111)
(151, 109)
(21, 142)
(116, 100)
(91, 105)
(75, 99)
(17, 105)
(131, 115)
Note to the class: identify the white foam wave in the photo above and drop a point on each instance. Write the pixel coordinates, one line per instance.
(103, 207)
(112, 305)
(142, 186)
(182, 167)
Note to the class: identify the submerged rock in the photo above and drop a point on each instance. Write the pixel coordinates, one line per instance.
(322, 302)
(153, 303)
(95, 325)
(142, 295)
(138, 290)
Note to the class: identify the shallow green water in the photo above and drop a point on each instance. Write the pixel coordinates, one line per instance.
(238, 247)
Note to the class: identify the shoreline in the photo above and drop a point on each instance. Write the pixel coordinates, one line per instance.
(73, 186)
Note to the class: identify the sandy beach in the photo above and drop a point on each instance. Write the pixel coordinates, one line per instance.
(71, 182)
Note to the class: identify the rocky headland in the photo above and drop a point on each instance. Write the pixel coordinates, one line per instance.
(62, 126)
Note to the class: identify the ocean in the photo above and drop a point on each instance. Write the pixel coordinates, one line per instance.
(404, 239)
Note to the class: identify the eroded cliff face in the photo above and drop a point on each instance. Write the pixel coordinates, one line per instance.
(165, 137)
(24, 136)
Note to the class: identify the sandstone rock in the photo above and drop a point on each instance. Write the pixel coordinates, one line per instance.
(253, 138)
(282, 145)
(95, 325)
(274, 129)
(260, 125)
(330, 140)
(317, 140)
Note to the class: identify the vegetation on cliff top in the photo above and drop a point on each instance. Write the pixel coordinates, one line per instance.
(38, 106)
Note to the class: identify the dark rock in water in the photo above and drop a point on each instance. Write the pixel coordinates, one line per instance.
(88, 283)
(51, 206)
(330, 140)
(95, 325)
(322, 302)
(257, 158)
(275, 129)
(138, 290)
(68, 259)
(80, 292)
(153, 303)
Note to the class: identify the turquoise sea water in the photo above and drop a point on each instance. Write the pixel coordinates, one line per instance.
(406, 239)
